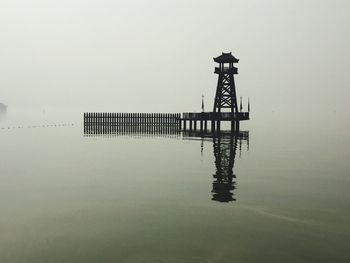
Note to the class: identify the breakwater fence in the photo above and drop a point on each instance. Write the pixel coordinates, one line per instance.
(123, 123)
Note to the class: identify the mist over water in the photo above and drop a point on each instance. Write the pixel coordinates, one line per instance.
(279, 192)
(135, 56)
(141, 198)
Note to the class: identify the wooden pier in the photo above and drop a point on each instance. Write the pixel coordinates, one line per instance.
(109, 123)
(113, 123)
(202, 118)
(225, 109)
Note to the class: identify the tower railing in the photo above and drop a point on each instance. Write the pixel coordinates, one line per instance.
(232, 70)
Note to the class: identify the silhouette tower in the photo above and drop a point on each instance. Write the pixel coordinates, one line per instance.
(225, 98)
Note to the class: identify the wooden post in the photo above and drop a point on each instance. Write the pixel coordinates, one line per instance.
(121, 116)
(118, 122)
(105, 123)
(92, 122)
(97, 119)
(113, 122)
(237, 126)
(97, 115)
(109, 122)
(147, 122)
(101, 122)
(142, 122)
(84, 122)
(97, 123)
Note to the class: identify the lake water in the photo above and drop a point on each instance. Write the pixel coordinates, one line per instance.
(276, 194)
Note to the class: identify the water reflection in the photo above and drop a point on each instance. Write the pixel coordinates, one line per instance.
(225, 147)
(225, 144)
(133, 131)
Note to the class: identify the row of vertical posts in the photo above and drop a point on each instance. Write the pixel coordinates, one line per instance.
(203, 125)
(109, 123)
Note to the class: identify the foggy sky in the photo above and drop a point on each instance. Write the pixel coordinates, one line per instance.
(156, 55)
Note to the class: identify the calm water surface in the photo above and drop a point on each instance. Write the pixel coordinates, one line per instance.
(66, 197)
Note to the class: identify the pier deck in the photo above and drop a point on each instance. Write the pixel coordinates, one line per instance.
(96, 123)
(215, 116)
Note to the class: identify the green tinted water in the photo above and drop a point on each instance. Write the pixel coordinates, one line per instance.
(69, 198)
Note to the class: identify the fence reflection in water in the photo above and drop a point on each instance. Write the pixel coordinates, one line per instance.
(225, 143)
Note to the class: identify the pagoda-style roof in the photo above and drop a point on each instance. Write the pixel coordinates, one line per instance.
(226, 58)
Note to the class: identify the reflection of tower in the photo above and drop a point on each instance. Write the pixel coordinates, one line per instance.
(225, 145)
(225, 153)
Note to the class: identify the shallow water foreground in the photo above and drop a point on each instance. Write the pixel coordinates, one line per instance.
(66, 197)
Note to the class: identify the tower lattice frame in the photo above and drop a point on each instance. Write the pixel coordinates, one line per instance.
(225, 97)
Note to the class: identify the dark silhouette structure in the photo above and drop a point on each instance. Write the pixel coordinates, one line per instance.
(225, 97)
(225, 146)
(131, 123)
(225, 109)
(225, 143)
(225, 102)
(225, 154)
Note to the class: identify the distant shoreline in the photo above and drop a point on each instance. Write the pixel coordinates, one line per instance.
(3, 107)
